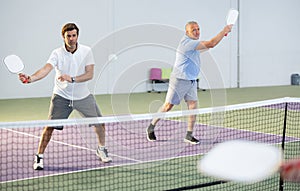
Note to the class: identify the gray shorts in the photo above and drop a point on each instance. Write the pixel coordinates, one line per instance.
(181, 89)
(61, 108)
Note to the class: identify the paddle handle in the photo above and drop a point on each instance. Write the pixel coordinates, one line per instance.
(24, 79)
(290, 170)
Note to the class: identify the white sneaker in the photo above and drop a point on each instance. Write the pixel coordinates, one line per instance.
(38, 163)
(103, 154)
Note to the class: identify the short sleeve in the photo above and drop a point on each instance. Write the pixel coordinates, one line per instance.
(53, 59)
(189, 44)
(89, 58)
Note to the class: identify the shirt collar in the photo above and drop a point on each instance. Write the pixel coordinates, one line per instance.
(77, 47)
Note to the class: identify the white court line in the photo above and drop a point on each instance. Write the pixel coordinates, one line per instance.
(71, 145)
(137, 162)
(59, 142)
(74, 146)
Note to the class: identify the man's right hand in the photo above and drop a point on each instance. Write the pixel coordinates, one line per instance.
(24, 78)
(227, 29)
(290, 170)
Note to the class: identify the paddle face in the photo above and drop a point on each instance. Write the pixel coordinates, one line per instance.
(241, 161)
(60, 84)
(14, 64)
(232, 16)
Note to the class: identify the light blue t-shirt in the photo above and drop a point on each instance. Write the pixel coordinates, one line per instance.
(187, 63)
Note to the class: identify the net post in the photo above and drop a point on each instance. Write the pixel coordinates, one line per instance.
(281, 182)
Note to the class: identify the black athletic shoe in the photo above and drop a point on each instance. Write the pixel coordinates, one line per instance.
(150, 133)
(191, 140)
(38, 163)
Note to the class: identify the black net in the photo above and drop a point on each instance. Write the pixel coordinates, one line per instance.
(70, 161)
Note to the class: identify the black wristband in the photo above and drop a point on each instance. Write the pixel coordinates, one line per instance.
(73, 79)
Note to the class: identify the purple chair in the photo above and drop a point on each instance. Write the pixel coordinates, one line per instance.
(156, 80)
(155, 74)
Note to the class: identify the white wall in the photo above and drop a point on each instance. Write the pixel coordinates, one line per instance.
(144, 34)
(32, 29)
(168, 18)
(269, 51)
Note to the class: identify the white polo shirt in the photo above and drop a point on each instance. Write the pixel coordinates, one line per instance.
(65, 62)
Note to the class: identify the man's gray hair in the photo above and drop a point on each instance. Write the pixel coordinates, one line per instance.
(190, 23)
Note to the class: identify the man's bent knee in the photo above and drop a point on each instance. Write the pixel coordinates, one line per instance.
(168, 107)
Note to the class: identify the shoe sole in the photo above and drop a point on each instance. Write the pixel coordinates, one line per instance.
(151, 140)
(108, 161)
(38, 168)
(105, 161)
(193, 143)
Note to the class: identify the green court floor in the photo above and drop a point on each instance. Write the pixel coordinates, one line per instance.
(134, 103)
